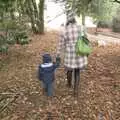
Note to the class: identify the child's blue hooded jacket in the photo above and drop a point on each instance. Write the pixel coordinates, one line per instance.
(47, 70)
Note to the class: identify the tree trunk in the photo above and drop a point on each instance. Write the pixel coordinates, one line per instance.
(83, 18)
(31, 14)
(2, 17)
(41, 16)
(12, 15)
(35, 8)
(35, 14)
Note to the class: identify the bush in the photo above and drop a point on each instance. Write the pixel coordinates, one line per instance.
(116, 24)
(11, 41)
(104, 24)
(12, 32)
(11, 38)
(17, 37)
(116, 21)
(23, 41)
(2, 40)
(3, 44)
(21, 35)
(22, 38)
(4, 48)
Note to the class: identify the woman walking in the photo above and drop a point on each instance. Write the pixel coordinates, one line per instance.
(67, 41)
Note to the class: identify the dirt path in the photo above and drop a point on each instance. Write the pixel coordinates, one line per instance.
(99, 90)
(106, 39)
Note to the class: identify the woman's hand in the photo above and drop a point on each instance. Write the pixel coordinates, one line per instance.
(58, 60)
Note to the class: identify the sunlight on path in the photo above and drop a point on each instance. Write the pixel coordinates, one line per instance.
(105, 40)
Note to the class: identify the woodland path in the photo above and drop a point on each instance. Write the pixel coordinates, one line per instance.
(20, 91)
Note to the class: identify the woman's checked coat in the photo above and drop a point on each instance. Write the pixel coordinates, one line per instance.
(67, 41)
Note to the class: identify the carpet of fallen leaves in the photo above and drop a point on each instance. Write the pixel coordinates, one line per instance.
(21, 93)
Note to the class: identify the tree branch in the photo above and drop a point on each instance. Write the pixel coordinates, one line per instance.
(117, 1)
(90, 1)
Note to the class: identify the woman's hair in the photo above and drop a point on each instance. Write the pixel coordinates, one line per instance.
(72, 21)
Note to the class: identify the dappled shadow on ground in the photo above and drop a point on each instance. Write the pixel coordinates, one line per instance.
(20, 91)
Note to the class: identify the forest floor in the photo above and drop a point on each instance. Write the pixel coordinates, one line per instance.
(21, 93)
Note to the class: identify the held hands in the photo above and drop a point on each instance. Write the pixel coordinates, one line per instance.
(58, 60)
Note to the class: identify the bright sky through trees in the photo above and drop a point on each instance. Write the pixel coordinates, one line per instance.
(54, 9)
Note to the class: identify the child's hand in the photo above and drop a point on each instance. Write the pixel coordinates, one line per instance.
(58, 60)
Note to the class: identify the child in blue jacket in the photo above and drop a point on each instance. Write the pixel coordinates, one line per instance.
(47, 73)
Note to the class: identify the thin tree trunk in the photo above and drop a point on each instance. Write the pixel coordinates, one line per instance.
(35, 8)
(31, 15)
(83, 18)
(36, 14)
(12, 15)
(41, 16)
(2, 17)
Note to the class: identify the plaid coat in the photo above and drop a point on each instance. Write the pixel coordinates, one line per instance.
(67, 41)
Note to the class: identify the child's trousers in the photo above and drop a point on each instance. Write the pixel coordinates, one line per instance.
(48, 88)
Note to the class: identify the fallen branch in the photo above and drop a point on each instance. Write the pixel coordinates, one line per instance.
(9, 102)
(8, 93)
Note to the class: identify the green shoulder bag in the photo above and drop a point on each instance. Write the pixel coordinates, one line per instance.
(82, 46)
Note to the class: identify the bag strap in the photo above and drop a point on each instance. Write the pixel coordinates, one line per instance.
(83, 30)
(81, 33)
